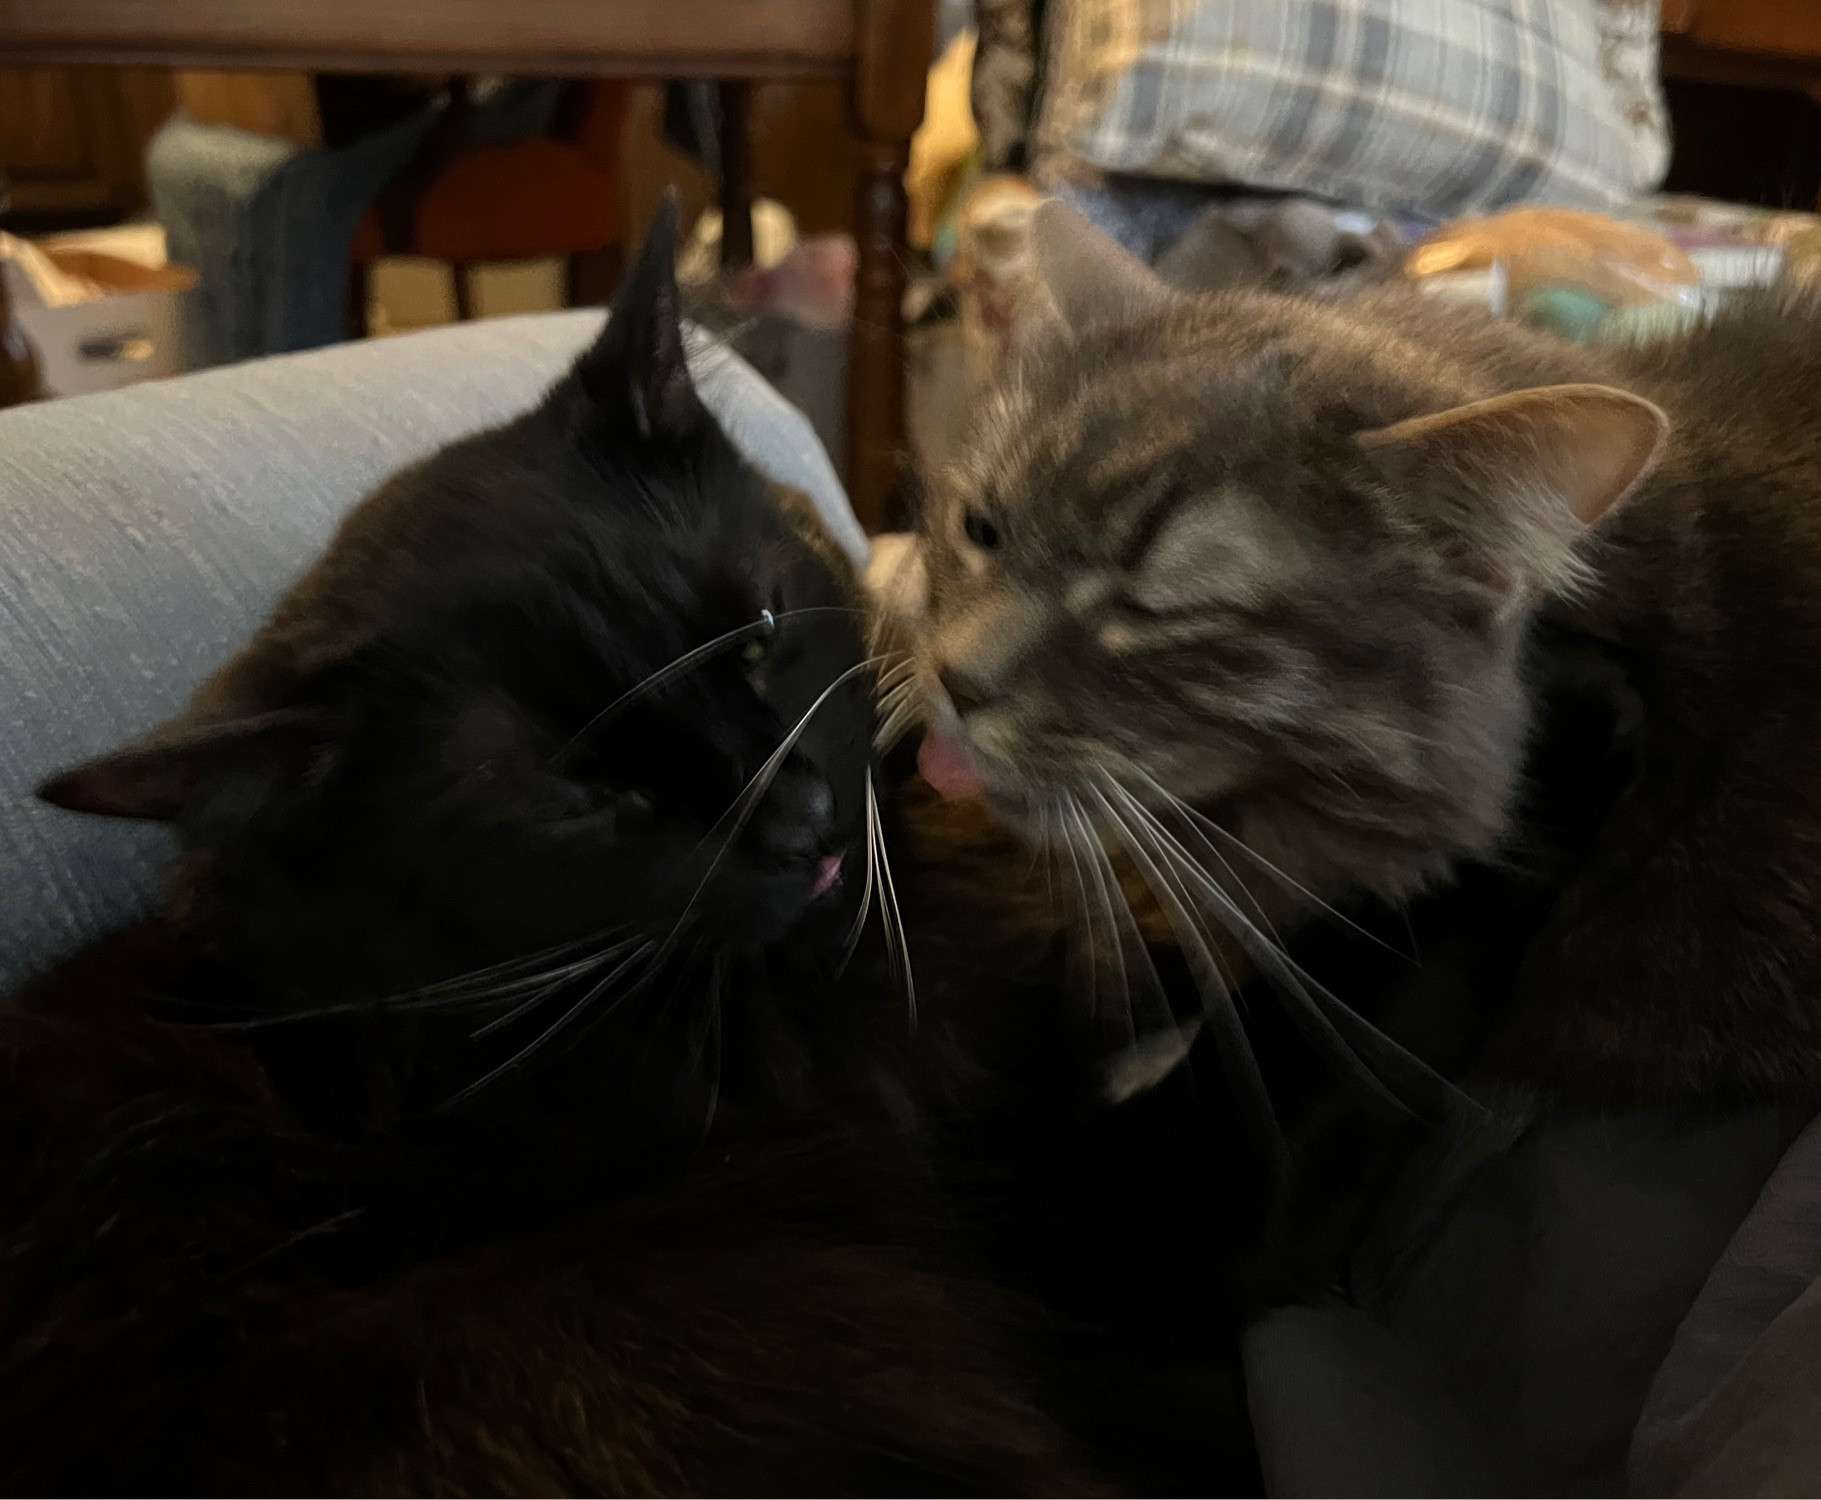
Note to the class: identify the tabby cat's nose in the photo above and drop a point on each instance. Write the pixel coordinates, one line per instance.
(963, 691)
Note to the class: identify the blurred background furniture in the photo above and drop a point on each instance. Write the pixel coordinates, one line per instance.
(558, 195)
(1768, 42)
(18, 368)
(1743, 82)
(880, 48)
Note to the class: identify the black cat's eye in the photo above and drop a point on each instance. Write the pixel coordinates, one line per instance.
(759, 647)
(634, 814)
(980, 531)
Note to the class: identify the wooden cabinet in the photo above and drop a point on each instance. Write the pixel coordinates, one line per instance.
(72, 140)
(1785, 28)
(1758, 43)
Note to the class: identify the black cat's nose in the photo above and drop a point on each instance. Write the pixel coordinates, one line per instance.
(797, 818)
(963, 691)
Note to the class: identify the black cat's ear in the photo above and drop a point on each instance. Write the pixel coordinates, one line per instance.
(184, 767)
(1506, 487)
(1090, 277)
(637, 369)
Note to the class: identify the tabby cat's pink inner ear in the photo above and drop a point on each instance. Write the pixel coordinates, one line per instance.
(1587, 445)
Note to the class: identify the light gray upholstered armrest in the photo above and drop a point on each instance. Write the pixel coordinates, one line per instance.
(145, 532)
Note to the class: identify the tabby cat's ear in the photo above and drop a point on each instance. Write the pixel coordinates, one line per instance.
(1090, 277)
(1507, 486)
(186, 768)
(637, 368)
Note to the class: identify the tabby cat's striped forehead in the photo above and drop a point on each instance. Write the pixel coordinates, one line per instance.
(1114, 424)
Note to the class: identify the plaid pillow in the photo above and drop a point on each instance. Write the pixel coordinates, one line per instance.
(1434, 106)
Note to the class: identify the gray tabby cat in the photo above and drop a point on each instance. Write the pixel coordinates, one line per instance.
(1247, 589)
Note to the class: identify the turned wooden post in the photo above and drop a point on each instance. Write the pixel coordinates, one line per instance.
(18, 365)
(896, 40)
(736, 175)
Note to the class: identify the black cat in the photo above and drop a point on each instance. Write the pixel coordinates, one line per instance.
(484, 1113)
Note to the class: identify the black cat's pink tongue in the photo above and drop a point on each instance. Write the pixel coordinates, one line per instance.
(828, 872)
(945, 766)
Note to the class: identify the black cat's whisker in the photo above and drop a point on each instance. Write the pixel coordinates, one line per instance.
(746, 802)
(891, 914)
(664, 674)
(711, 1045)
(553, 983)
(474, 991)
(561, 1024)
(766, 622)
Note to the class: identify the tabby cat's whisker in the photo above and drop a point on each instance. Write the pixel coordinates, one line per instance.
(866, 894)
(1200, 820)
(1238, 1060)
(1321, 1015)
(1103, 883)
(1081, 889)
(890, 913)
(898, 701)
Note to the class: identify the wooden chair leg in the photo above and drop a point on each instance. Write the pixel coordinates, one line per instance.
(360, 295)
(18, 365)
(875, 346)
(736, 175)
(896, 44)
(464, 290)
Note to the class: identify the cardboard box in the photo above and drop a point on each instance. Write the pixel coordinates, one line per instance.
(135, 325)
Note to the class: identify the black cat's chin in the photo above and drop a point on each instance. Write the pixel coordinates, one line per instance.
(796, 901)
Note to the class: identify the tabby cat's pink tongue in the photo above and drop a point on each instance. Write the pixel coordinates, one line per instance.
(945, 766)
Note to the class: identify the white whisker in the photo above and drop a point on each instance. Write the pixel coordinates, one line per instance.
(890, 912)
(873, 835)
(1318, 1012)
(1200, 821)
(766, 622)
(1237, 1057)
(747, 801)
(560, 1025)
